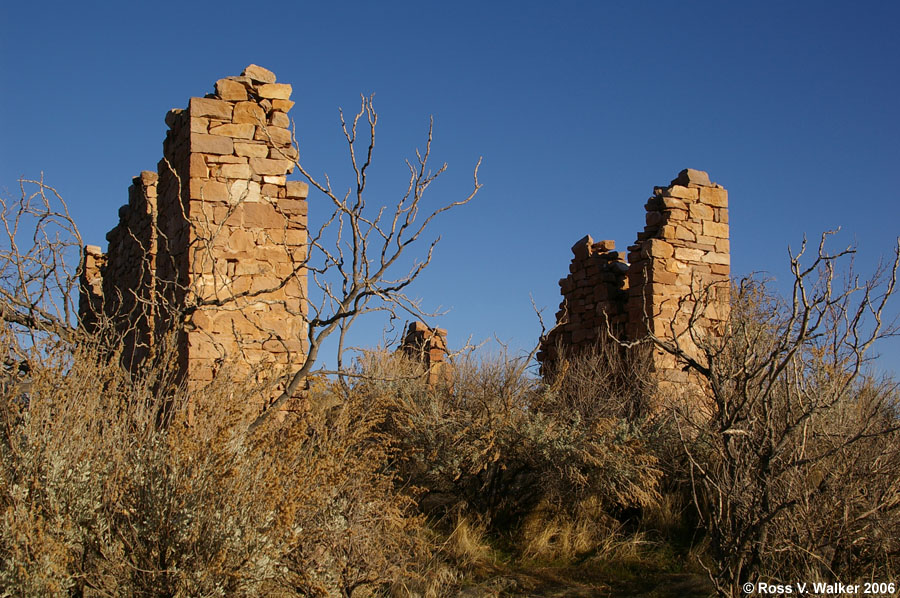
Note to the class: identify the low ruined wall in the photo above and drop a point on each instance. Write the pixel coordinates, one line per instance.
(428, 346)
(676, 278)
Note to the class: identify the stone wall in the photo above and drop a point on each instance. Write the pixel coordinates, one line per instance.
(429, 346)
(218, 234)
(677, 275)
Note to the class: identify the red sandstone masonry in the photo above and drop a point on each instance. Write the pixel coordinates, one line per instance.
(682, 253)
(430, 347)
(219, 224)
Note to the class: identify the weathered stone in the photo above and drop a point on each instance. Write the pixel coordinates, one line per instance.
(258, 73)
(714, 197)
(200, 107)
(235, 171)
(236, 131)
(297, 189)
(681, 192)
(251, 150)
(279, 119)
(715, 229)
(248, 113)
(282, 105)
(293, 207)
(275, 135)
(689, 176)
(231, 90)
(262, 215)
(263, 166)
(244, 191)
(211, 144)
(275, 91)
(208, 190)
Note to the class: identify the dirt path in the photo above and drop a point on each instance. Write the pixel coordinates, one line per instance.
(579, 583)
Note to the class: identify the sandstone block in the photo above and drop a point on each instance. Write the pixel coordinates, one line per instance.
(200, 125)
(251, 150)
(723, 245)
(275, 91)
(715, 229)
(681, 192)
(241, 240)
(222, 159)
(674, 202)
(198, 168)
(689, 176)
(295, 237)
(244, 191)
(269, 190)
(582, 248)
(715, 197)
(658, 248)
(282, 105)
(235, 171)
(211, 144)
(231, 90)
(248, 113)
(683, 233)
(258, 73)
(275, 135)
(236, 131)
(279, 119)
(262, 215)
(264, 166)
(210, 107)
(717, 258)
(700, 211)
(688, 255)
(284, 153)
(293, 207)
(278, 181)
(297, 189)
(208, 190)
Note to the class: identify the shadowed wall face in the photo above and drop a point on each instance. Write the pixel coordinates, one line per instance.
(217, 232)
(676, 279)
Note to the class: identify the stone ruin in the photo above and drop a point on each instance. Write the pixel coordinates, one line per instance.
(216, 237)
(676, 276)
(429, 346)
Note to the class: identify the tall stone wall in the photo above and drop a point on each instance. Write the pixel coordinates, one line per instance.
(218, 234)
(676, 278)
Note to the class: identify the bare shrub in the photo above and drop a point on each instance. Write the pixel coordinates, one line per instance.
(99, 498)
(489, 445)
(793, 451)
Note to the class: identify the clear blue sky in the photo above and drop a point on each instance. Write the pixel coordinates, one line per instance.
(578, 108)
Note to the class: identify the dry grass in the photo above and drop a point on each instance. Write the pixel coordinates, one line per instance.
(119, 485)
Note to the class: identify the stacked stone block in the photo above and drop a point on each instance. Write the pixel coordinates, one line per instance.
(129, 275)
(90, 286)
(595, 293)
(231, 234)
(429, 346)
(680, 268)
(677, 278)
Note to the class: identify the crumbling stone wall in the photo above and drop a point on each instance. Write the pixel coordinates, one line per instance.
(217, 236)
(676, 278)
(429, 346)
